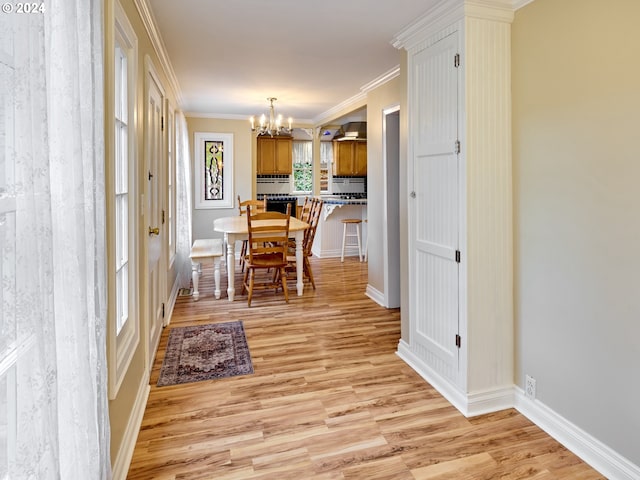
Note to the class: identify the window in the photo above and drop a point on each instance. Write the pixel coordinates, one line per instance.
(326, 159)
(302, 166)
(124, 328)
(121, 190)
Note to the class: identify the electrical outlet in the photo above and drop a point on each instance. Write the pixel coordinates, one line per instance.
(530, 387)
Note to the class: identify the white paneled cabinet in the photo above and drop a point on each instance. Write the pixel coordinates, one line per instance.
(460, 210)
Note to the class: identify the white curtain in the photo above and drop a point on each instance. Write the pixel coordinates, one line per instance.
(53, 399)
(183, 202)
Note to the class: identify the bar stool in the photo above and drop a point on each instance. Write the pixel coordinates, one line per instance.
(356, 223)
(366, 245)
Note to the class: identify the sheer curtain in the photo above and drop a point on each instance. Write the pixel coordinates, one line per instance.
(183, 202)
(53, 399)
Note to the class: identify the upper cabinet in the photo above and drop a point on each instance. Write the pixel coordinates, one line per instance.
(274, 155)
(350, 158)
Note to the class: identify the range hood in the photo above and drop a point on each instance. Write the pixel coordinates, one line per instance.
(352, 131)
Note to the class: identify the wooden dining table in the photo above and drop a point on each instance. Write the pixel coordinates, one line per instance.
(236, 229)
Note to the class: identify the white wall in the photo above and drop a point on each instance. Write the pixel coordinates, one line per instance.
(576, 122)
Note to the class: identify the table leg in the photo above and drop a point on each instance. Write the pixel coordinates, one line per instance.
(195, 276)
(216, 276)
(299, 260)
(231, 266)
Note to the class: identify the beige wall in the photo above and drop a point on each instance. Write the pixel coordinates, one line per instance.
(576, 120)
(244, 167)
(383, 97)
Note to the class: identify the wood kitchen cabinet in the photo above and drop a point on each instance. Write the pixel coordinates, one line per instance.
(274, 155)
(350, 158)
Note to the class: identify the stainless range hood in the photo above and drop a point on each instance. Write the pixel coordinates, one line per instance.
(352, 131)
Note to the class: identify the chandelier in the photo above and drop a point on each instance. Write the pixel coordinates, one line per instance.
(272, 126)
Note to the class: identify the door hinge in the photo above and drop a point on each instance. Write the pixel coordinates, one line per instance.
(162, 217)
(150, 175)
(457, 256)
(458, 341)
(456, 60)
(163, 310)
(457, 146)
(162, 123)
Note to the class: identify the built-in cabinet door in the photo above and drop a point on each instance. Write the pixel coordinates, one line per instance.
(350, 158)
(274, 155)
(433, 208)
(360, 159)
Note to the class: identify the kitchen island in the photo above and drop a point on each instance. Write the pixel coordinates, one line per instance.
(328, 240)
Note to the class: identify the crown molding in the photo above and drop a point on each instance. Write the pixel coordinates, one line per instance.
(158, 45)
(448, 12)
(244, 118)
(381, 80)
(359, 100)
(353, 103)
(518, 4)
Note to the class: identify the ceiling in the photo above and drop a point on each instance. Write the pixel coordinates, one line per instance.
(228, 56)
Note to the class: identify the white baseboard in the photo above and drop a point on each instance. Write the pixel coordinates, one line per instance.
(172, 301)
(375, 295)
(121, 465)
(592, 451)
(448, 391)
(601, 457)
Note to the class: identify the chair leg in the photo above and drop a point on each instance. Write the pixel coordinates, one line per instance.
(243, 252)
(283, 278)
(251, 280)
(307, 269)
(244, 281)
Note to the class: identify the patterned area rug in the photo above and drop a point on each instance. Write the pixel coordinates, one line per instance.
(205, 352)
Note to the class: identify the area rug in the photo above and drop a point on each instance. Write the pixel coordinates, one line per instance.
(205, 352)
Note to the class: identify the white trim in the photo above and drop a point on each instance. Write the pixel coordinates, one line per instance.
(149, 22)
(601, 457)
(381, 80)
(171, 301)
(456, 397)
(591, 450)
(375, 295)
(448, 12)
(352, 103)
(518, 4)
(470, 404)
(127, 446)
(385, 205)
(123, 345)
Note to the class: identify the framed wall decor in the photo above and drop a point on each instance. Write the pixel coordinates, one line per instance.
(213, 170)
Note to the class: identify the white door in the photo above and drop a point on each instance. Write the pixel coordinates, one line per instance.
(434, 208)
(153, 210)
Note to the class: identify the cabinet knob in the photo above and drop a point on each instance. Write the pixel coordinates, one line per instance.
(412, 194)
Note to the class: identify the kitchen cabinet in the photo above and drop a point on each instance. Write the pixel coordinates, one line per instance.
(350, 158)
(274, 155)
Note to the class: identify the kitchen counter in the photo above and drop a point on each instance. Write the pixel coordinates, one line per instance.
(328, 240)
(342, 200)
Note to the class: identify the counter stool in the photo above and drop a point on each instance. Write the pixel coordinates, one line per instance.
(366, 245)
(356, 223)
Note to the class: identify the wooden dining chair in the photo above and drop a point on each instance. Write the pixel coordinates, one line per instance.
(315, 209)
(267, 248)
(257, 206)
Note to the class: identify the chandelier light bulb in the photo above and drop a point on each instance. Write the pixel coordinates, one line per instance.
(275, 124)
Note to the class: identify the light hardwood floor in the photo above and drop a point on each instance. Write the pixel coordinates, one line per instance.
(329, 399)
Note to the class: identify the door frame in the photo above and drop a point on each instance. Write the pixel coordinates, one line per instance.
(151, 74)
(391, 209)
